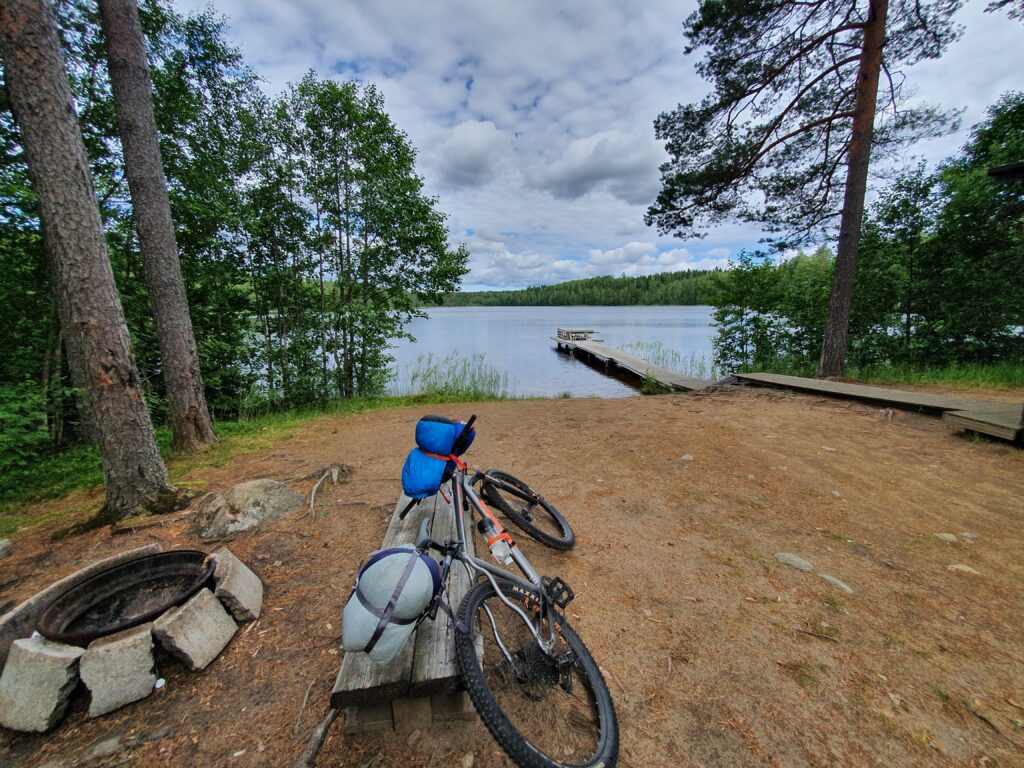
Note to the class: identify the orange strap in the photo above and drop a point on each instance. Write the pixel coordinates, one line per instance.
(499, 537)
(453, 457)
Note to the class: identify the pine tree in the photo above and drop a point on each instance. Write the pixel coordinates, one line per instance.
(191, 427)
(92, 320)
(787, 135)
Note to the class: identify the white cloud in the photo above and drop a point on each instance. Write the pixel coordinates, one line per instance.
(627, 166)
(533, 120)
(470, 155)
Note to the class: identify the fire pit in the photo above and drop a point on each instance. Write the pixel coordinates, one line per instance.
(124, 596)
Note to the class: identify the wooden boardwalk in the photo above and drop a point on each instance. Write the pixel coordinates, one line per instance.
(579, 340)
(1002, 420)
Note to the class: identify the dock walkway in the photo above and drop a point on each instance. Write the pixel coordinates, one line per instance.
(1002, 420)
(578, 340)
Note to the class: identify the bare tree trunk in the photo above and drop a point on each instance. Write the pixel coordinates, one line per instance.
(833, 350)
(96, 337)
(190, 422)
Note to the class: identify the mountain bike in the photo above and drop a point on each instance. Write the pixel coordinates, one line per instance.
(529, 675)
(531, 512)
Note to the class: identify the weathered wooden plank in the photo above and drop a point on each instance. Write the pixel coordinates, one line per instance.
(361, 681)
(1005, 424)
(921, 401)
(434, 669)
(635, 365)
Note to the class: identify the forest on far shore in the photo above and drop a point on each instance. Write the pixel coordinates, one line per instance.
(668, 288)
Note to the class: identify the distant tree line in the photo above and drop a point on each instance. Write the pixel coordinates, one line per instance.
(940, 277)
(668, 288)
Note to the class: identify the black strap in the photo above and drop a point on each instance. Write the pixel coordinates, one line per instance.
(412, 503)
(385, 615)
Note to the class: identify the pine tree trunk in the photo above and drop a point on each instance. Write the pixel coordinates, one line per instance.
(191, 427)
(833, 350)
(96, 337)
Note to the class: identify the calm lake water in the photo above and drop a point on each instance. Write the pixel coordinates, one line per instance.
(517, 340)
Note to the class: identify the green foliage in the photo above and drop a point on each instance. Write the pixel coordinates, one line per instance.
(264, 193)
(667, 288)
(651, 386)
(769, 143)
(939, 288)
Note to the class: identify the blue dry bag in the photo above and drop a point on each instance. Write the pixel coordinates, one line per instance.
(427, 465)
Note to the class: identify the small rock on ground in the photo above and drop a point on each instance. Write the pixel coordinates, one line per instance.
(950, 537)
(686, 457)
(968, 537)
(106, 748)
(836, 583)
(961, 568)
(6, 548)
(794, 561)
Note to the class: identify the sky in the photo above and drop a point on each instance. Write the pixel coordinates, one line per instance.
(533, 120)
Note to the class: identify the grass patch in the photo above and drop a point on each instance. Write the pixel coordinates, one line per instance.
(470, 378)
(834, 603)
(1000, 375)
(1005, 375)
(804, 673)
(59, 473)
(694, 365)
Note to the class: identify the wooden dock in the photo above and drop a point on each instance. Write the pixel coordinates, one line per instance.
(581, 343)
(1002, 420)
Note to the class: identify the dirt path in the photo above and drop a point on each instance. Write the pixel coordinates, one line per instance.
(717, 654)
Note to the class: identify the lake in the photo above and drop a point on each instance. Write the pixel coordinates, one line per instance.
(517, 340)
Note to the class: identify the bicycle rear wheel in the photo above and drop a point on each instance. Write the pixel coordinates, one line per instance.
(527, 509)
(546, 711)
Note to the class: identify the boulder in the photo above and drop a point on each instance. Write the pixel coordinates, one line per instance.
(118, 669)
(196, 632)
(238, 587)
(246, 505)
(37, 683)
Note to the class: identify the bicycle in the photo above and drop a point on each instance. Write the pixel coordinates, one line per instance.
(531, 512)
(529, 675)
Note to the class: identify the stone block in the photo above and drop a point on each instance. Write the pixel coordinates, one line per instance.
(118, 669)
(37, 683)
(238, 587)
(20, 621)
(196, 632)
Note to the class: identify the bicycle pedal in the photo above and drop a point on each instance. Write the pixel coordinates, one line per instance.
(558, 591)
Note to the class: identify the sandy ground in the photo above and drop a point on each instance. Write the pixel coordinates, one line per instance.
(717, 655)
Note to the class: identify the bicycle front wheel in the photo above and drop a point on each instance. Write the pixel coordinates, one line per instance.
(527, 509)
(545, 710)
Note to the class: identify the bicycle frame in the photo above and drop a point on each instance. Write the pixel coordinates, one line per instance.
(464, 499)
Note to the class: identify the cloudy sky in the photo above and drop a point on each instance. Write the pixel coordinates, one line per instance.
(533, 120)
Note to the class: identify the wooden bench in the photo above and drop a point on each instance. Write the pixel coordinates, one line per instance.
(422, 685)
